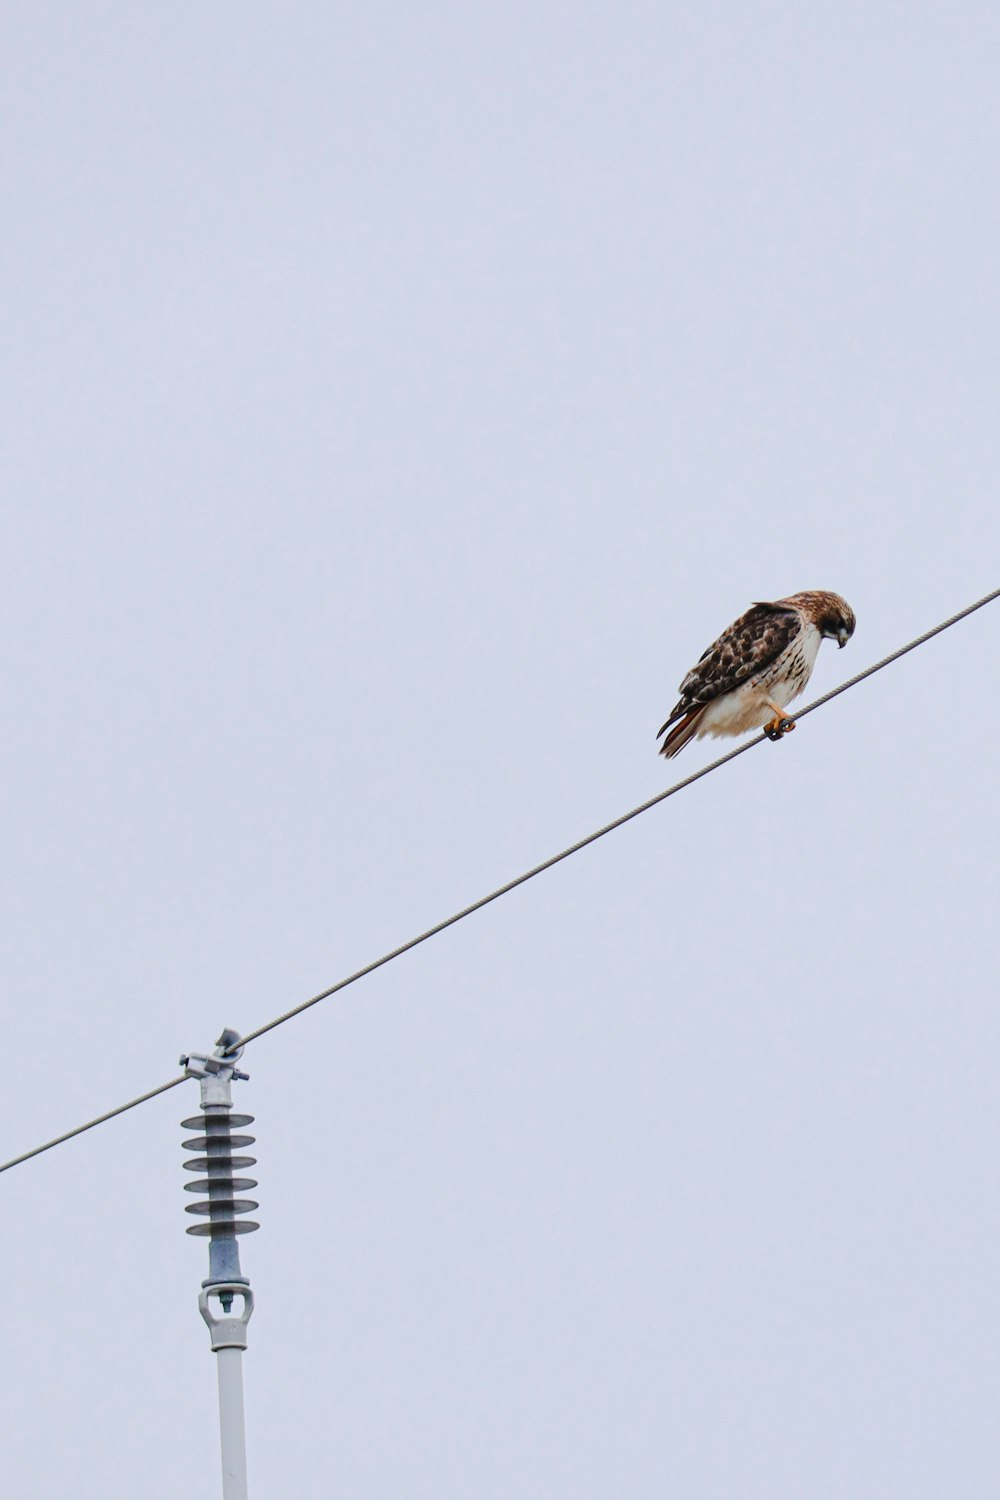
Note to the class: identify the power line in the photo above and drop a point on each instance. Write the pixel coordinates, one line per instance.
(58, 1140)
(511, 885)
(592, 838)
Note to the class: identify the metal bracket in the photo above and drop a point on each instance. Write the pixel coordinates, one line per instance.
(220, 1064)
(227, 1332)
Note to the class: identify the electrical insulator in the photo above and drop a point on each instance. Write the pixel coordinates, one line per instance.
(221, 1208)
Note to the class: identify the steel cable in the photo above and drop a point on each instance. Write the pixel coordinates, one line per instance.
(546, 864)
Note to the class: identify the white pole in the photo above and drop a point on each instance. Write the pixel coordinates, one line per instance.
(229, 1339)
(231, 1424)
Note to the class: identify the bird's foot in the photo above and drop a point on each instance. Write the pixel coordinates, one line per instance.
(778, 727)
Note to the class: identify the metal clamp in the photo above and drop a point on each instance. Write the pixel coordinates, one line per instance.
(227, 1332)
(216, 1070)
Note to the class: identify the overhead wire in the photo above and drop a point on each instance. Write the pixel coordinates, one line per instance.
(57, 1140)
(510, 885)
(591, 838)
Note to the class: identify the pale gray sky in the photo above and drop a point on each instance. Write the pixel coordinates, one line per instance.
(398, 399)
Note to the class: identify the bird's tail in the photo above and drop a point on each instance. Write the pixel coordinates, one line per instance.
(684, 730)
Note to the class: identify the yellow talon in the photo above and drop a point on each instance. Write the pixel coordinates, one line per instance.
(779, 725)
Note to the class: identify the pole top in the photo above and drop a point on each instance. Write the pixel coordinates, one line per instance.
(217, 1069)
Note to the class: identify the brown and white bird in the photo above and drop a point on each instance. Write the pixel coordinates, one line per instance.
(747, 678)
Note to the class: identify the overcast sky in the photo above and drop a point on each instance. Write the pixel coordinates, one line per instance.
(397, 400)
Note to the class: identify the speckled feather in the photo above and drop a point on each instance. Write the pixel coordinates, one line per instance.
(747, 648)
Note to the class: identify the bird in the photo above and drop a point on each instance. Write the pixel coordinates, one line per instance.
(747, 678)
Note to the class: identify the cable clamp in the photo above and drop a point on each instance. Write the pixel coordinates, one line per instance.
(220, 1063)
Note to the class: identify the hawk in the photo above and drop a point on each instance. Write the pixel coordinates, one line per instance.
(747, 678)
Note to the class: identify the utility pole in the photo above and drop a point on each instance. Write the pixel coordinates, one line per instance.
(221, 1208)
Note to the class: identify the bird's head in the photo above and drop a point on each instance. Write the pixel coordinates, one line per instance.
(832, 616)
(835, 618)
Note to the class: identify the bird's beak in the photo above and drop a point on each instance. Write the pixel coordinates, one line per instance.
(842, 640)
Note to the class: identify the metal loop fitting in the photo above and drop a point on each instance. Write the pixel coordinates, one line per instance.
(228, 1332)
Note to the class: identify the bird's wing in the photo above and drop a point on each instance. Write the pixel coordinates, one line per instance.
(750, 645)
